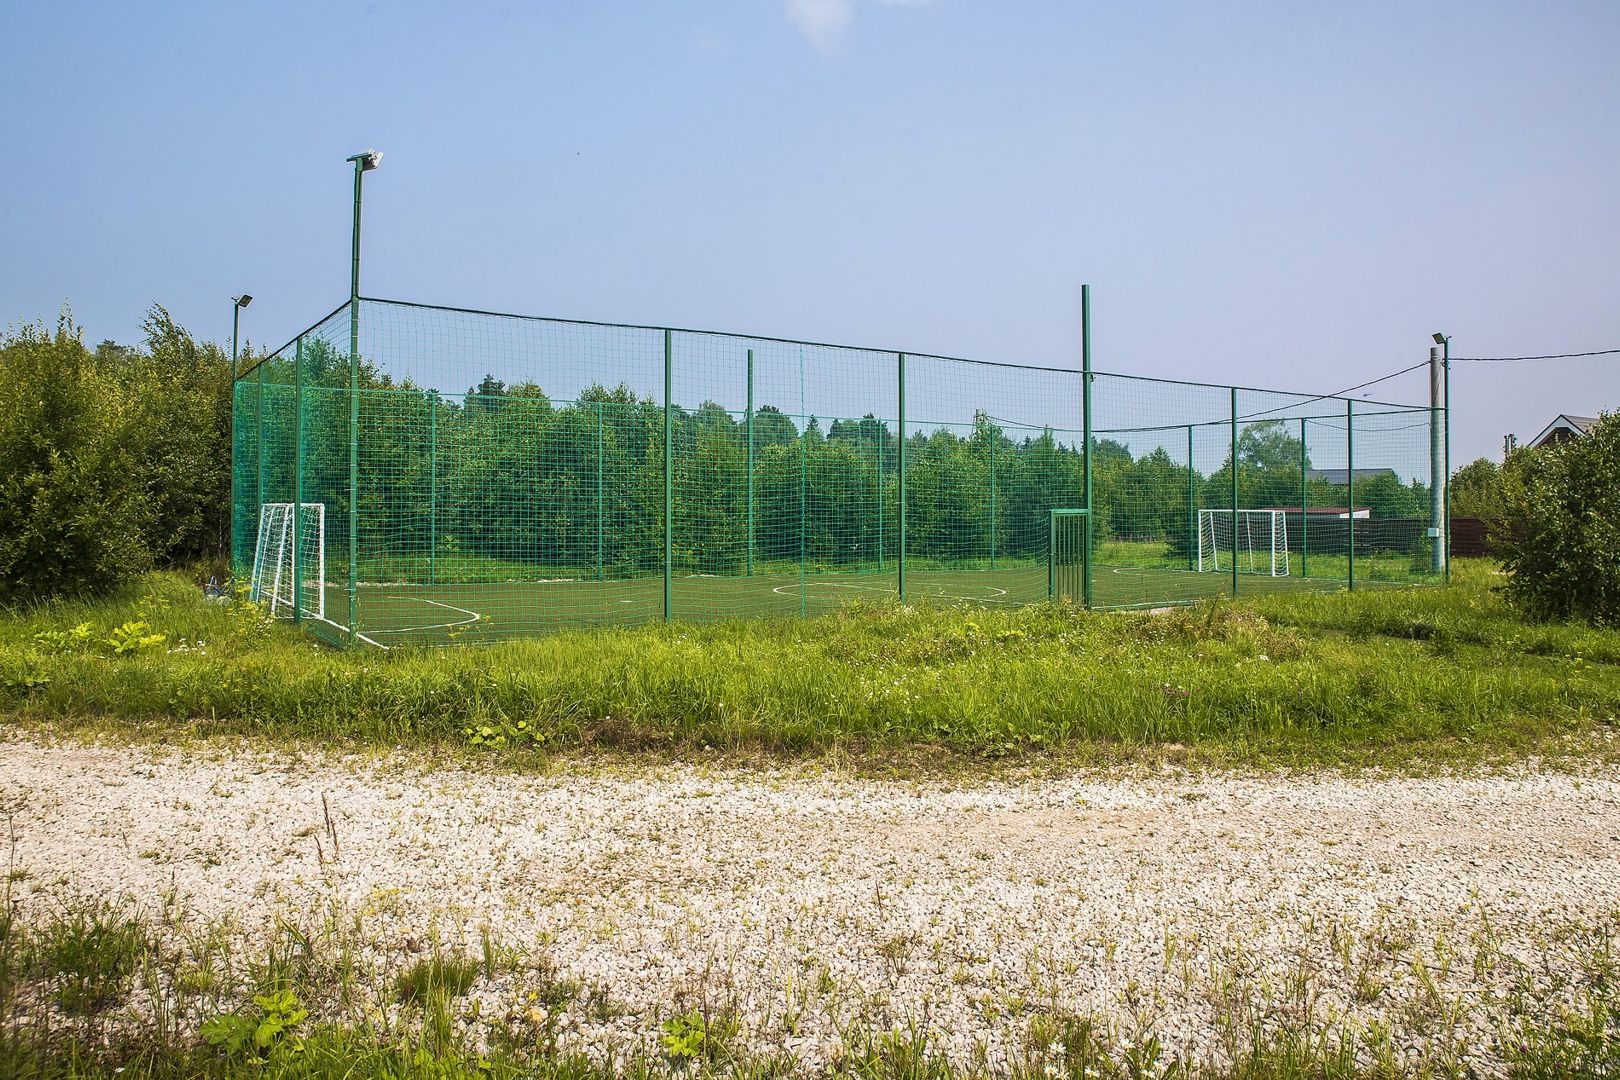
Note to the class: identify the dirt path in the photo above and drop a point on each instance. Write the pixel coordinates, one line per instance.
(811, 903)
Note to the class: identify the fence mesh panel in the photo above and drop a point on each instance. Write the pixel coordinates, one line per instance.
(483, 476)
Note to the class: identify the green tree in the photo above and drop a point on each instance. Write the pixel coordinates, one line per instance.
(1476, 490)
(1560, 541)
(74, 505)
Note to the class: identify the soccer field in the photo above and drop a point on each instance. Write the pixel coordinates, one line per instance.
(392, 614)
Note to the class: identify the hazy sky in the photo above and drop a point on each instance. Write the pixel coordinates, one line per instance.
(1291, 195)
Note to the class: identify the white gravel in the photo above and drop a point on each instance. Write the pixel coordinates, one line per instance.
(811, 903)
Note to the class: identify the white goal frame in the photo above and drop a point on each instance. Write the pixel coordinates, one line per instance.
(1262, 541)
(273, 571)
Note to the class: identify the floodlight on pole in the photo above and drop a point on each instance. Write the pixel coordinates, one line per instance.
(237, 304)
(365, 161)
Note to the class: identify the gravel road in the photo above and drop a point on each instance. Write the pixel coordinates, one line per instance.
(811, 903)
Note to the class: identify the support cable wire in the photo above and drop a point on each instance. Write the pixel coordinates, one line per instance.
(1521, 359)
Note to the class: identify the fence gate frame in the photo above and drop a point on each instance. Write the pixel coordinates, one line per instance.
(1068, 558)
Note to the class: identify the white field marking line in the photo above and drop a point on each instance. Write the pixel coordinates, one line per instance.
(994, 598)
(1159, 570)
(345, 629)
(473, 617)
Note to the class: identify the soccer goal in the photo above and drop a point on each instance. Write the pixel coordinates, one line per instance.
(1262, 541)
(274, 575)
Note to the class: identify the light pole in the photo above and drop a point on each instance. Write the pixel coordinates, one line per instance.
(364, 162)
(1443, 542)
(237, 304)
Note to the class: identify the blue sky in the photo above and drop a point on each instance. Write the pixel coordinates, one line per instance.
(1288, 195)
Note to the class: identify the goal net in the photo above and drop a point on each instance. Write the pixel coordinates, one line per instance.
(1262, 541)
(274, 575)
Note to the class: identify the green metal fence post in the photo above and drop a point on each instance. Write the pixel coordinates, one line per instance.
(601, 568)
(361, 163)
(354, 464)
(748, 423)
(1085, 423)
(882, 538)
(804, 510)
(433, 488)
(1350, 490)
(902, 481)
(258, 419)
(232, 552)
(1445, 368)
(298, 482)
(1051, 555)
(669, 474)
(1304, 505)
(991, 433)
(1192, 506)
(1234, 493)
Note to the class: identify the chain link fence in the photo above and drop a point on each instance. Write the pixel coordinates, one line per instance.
(405, 473)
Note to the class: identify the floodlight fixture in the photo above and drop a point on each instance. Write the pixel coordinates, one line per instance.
(1439, 338)
(366, 159)
(242, 301)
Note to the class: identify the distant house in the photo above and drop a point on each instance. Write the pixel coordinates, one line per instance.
(1327, 513)
(1564, 428)
(1342, 476)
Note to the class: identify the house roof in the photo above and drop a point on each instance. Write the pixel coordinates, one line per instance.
(1573, 425)
(1342, 476)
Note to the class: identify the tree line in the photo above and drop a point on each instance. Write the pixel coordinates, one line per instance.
(505, 475)
(115, 459)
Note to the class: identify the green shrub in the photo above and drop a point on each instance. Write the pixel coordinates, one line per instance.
(1560, 540)
(1476, 491)
(73, 508)
(111, 460)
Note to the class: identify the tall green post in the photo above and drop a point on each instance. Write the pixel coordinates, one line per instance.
(1192, 506)
(1085, 435)
(433, 487)
(1350, 490)
(991, 434)
(902, 481)
(804, 509)
(601, 569)
(748, 425)
(258, 419)
(354, 455)
(1445, 368)
(298, 482)
(363, 163)
(878, 492)
(1304, 505)
(669, 475)
(1234, 493)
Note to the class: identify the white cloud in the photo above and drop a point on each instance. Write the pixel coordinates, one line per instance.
(824, 22)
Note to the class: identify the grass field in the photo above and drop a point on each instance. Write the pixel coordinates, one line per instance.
(1125, 576)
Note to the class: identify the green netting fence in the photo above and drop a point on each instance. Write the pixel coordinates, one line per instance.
(405, 473)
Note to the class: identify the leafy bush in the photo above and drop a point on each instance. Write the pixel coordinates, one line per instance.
(180, 390)
(72, 503)
(1476, 490)
(111, 460)
(1561, 525)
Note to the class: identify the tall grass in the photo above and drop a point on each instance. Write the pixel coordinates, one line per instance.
(1377, 676)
